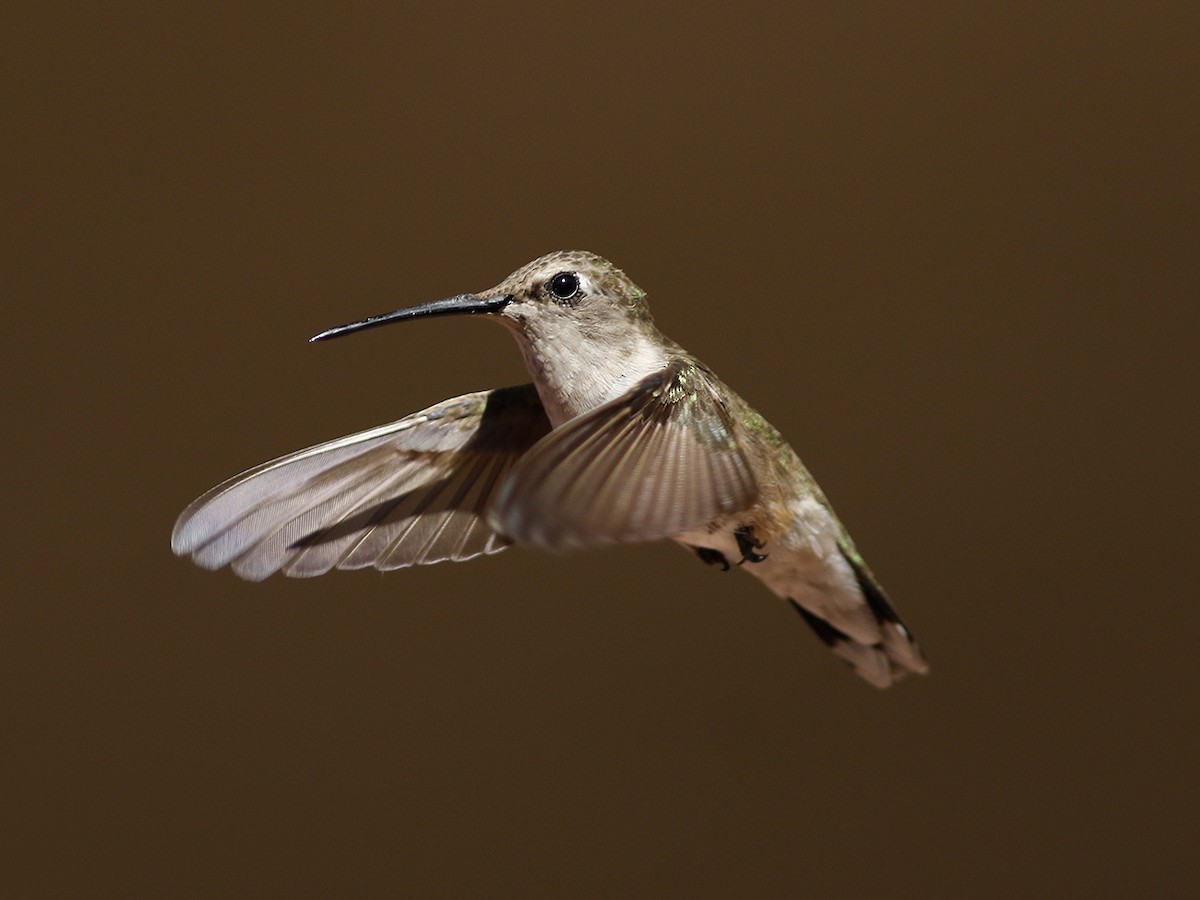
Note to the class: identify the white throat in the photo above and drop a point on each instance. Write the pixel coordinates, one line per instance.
(574, 374)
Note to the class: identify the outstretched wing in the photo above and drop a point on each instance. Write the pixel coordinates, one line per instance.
(658, 461)
(403, 494)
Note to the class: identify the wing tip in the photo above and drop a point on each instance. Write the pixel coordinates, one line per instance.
(183, 537)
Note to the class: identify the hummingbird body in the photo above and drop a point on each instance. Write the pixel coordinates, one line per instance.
(623, 436)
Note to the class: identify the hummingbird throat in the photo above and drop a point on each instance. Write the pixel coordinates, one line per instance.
(575, 373)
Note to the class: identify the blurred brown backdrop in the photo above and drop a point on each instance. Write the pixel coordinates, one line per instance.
(950, 251)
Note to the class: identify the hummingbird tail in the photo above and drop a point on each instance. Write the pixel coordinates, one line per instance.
(875, 663)
(889, 653)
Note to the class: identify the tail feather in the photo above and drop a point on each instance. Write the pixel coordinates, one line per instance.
(882, 662)
(870, 662)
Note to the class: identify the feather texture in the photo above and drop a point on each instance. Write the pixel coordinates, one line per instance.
(657, 461)
(407, 493)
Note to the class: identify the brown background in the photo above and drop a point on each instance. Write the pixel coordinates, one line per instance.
(951, 252)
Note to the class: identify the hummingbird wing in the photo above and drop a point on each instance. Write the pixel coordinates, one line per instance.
(402, 494)
(660, 460)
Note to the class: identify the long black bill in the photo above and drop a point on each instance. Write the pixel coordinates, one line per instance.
(463, 304)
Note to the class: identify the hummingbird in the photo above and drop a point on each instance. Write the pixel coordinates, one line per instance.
(622, 436)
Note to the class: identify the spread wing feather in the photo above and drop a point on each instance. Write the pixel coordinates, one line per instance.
(658, 461)
(407, 493)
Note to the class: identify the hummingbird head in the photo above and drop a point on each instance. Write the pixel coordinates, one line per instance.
(570, 294)
(581, 324)
(571, 290)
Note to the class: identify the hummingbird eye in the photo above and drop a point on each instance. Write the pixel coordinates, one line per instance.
(564, 285)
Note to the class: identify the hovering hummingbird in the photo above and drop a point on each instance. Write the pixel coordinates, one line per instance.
(622, 436)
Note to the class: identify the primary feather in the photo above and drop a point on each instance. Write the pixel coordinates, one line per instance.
(411, 492)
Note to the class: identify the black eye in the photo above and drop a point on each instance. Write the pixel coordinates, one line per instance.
(564, 285)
